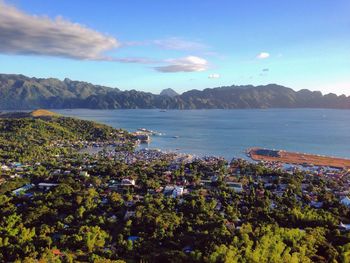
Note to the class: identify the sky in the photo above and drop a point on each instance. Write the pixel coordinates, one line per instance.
(183, 44)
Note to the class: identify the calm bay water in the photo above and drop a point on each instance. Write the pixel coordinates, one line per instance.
(229, 133)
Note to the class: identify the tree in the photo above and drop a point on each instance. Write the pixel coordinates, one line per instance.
(93, 237)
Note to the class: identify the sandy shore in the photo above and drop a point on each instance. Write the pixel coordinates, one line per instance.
(259, 154)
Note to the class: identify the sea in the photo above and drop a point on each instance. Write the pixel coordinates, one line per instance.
(229, 133)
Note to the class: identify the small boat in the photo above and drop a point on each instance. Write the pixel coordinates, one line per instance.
(175, 137)
(149, 132)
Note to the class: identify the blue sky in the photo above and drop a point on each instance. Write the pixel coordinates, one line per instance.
(152, 45)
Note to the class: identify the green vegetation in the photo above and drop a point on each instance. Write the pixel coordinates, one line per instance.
(77, 209)
(33, 138)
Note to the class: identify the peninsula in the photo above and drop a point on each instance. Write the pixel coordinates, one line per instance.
(260, 154)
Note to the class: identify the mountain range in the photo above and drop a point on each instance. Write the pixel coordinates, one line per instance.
(18, 92)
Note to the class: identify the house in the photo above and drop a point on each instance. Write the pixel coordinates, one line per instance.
(5, 168)
(345, 227)
(127, 182)
(345, 201)
(56, 172)
(22, 189)
(84, 174)
(237, 187)
(315, 204)
(178, 191)
(46, 186)
(67, 172)
(168, 190)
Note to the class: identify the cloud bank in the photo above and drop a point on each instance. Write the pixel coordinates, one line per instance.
(25, 34)
(186, 64)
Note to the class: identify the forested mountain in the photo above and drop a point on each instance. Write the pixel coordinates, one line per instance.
(20, 92)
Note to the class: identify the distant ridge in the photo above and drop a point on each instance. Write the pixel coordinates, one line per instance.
(169, 92)
(18, 92)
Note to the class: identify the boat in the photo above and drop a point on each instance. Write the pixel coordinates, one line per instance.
(148, 132)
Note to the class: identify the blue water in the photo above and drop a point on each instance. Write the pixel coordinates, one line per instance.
(229, 133)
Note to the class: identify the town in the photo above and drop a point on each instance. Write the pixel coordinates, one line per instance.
(125, 203)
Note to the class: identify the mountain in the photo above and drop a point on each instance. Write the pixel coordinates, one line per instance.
(169, 92)
(23, 93)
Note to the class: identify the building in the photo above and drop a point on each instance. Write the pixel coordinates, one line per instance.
(46, 186)
(5, 168)
(345, 201)
(22, 189)
(127, 182)
(84, 173)
(178, 191)
(237, 187)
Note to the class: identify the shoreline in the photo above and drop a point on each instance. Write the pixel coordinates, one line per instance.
(296, 158)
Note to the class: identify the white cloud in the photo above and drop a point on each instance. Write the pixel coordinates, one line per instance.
(25, 34)
(186, 64)
(263, 55)
(214, 76)
(171, 43)
(176, 43)
(138, 60)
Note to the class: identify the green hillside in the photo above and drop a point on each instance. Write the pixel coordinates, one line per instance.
(25, 137)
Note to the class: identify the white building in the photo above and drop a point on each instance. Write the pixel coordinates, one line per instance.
(344, 226)
(345, 201)
(128, 182)
(46, 186)
(178, 191)
(5, 168)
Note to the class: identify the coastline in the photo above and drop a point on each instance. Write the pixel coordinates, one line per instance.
(296, 158)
